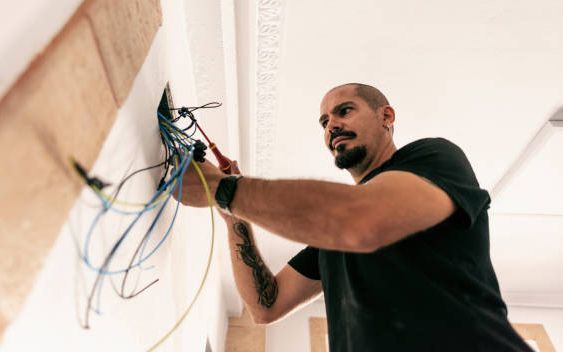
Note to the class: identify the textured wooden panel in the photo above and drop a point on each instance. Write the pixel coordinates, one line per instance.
(244, 320)
(124, 31)
(537, 333)
(245, 336)
(62, 106)
(246, 339)
(3, 325)
(318, 331)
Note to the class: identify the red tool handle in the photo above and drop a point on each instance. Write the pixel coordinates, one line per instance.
(224, 162)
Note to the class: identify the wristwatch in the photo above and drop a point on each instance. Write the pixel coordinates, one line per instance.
(226, 192)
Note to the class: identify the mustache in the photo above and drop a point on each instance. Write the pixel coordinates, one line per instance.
(340, 133)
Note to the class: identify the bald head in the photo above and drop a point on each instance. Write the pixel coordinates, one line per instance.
(371, 95)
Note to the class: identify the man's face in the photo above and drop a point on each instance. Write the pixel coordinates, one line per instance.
(352, 130)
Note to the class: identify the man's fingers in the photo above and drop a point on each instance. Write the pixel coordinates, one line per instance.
(234, 168)
(206, 162)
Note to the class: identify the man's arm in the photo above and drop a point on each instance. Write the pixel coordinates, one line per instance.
(266, 297)
(335, 216)
(329, 215)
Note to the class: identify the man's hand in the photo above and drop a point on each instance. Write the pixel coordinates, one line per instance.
(193, 193)
(234, 170)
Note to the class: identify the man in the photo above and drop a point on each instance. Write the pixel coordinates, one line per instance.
(402, 257)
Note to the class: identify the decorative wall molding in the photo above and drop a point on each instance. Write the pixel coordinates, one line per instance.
(268, 46)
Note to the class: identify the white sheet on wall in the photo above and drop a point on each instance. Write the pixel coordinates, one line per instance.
(52, 311)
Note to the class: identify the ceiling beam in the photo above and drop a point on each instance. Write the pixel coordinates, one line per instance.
(536, 143)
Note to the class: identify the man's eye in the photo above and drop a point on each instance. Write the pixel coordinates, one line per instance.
(344, 110)
(324, 123)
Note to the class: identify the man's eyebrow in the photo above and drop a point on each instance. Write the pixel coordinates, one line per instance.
(335, 109)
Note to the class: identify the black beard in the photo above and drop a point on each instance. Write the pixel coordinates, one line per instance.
(350, 158)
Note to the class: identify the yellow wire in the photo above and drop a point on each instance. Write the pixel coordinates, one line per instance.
(125, 203)
(202, 284)
(158, 200)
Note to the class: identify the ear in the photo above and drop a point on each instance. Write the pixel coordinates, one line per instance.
(388, 115)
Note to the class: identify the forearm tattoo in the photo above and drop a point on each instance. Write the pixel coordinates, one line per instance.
(264, 281)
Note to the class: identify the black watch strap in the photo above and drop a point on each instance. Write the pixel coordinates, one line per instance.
(226, 192)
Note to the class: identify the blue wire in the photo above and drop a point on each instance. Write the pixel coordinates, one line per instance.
(171, 222)
(85, 256)
(181, 175)
(180, 148)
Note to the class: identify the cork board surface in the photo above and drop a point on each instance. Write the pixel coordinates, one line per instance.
(63, 106)
(124, 31)
(245, 336)
(537, 334)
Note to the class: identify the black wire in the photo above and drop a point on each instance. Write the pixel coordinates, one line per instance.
(174, 140)
(188, 112)
(137, 251)
(120, 184)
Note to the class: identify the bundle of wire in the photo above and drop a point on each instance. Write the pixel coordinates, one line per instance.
(181, 149)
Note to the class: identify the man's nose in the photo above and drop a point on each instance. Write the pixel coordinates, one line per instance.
(334, 125)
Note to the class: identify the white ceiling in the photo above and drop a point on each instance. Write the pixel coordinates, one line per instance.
(486, 75)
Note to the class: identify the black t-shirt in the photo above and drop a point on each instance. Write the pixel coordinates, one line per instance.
(435, 290)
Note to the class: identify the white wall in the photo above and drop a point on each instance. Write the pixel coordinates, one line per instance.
(49, 319)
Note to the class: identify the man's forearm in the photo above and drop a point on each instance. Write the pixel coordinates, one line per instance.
(255, 282)
(317, 213)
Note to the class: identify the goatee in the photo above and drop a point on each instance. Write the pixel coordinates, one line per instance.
(347, 159)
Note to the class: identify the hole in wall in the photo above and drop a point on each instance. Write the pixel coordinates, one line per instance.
(166, 103)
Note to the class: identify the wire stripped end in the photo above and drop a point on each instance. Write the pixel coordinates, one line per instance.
(94, 182)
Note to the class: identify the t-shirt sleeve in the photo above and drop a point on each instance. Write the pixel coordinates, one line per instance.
(444, 164)
(306, 263)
